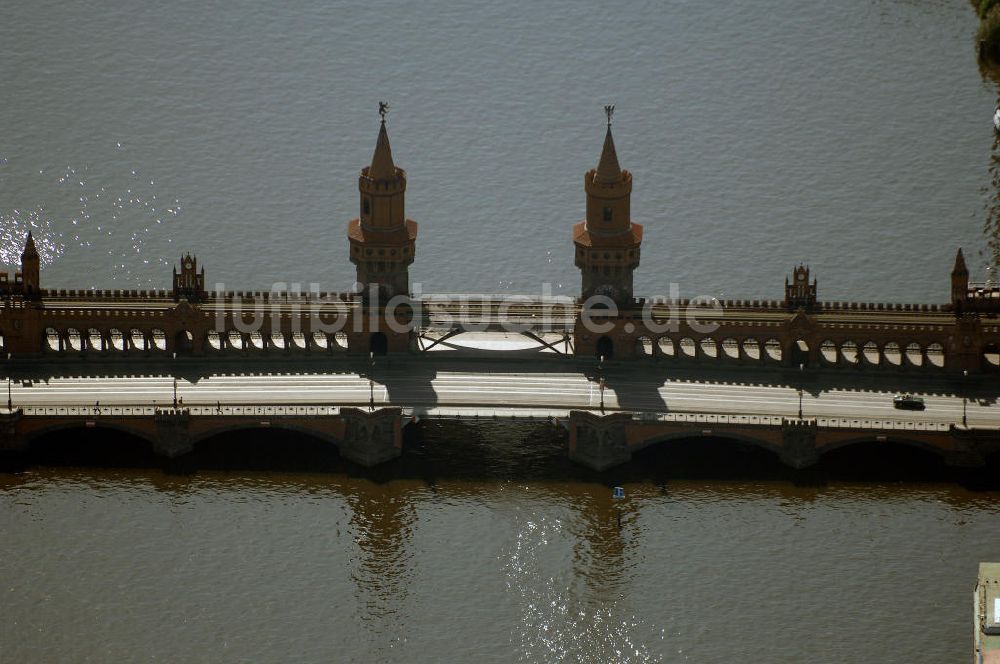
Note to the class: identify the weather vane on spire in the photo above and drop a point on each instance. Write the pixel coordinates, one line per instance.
(383, 109)
(609, 110)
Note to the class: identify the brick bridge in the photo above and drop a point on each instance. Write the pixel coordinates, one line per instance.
(596, 440)
(602, 441)
(366, 438)
(68, 325)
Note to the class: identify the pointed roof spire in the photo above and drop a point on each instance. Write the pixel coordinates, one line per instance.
(382, 167)
(29, 248)
(960, 263)
(608, 170)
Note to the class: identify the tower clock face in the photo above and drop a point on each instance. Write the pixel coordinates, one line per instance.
(187, 265)
(802, 276)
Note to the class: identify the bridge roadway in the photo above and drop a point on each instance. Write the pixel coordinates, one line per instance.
(505, 385)
(361, 408)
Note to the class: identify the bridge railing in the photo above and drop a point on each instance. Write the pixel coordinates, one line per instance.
(899, 425)
(711, 418)
(305, 410)
(297, 410)
(778, 420)
(149, 410)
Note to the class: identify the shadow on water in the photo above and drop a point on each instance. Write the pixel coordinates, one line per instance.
(499, 451)
(85, 448)
(729, 460)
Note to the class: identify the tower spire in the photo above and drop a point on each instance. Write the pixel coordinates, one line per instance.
(959, 282)
(30, 269)
(30, 251)
(960, 263)
(608, 169)
(382, 167)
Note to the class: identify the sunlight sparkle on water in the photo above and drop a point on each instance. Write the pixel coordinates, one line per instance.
(558, 624)
(111, 211)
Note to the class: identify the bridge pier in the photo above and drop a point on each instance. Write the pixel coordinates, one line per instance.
(11, 439)
(173, 432)
(964, 459)
(798, 443)
(598, 441)
(371, 437)
(971, 447)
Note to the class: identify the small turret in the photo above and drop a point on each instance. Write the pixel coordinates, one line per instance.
(189, 283)
(959, 282)
(30, 270)
(800, 294)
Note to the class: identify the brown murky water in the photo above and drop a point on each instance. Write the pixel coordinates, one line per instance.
(484, 543)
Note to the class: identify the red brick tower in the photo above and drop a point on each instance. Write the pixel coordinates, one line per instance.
(607, 242)
(382, 239)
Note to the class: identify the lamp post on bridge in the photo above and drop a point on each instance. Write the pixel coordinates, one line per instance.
(10, 396)
(600, 380)
(371, 381)
(801, 369)
(965, 418)
(175, 380)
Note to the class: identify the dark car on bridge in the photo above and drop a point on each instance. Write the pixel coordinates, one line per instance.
(908, 402)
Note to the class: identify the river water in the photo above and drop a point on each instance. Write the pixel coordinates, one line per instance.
(483, 543)
(854, 136)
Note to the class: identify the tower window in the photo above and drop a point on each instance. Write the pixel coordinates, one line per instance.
(607, 214)
(366, 206)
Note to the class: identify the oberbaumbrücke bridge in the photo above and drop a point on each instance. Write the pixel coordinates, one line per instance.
(58, 326)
